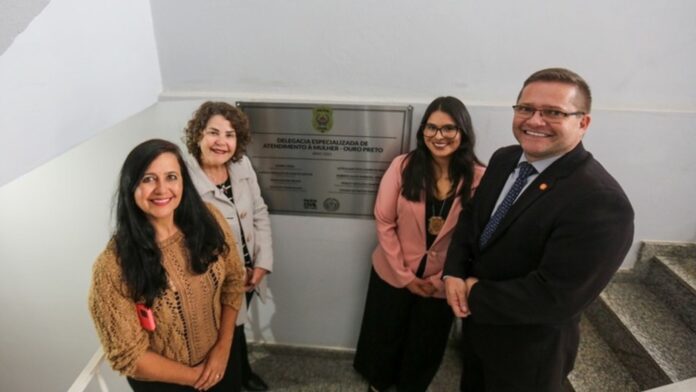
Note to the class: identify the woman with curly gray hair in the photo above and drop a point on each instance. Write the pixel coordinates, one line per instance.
(216, 137)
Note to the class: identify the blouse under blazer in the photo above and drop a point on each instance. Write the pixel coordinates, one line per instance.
(401, 232)
(248, 208)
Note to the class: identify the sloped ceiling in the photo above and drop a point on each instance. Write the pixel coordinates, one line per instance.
(636, 54)
(15, 15)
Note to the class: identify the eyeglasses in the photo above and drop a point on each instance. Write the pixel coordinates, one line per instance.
(448, 131)
(553, 115)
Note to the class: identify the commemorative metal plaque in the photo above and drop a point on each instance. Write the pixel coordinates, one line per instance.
(315, 159)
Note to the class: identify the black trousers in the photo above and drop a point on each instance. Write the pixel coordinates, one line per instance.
(517, 358)
(238, 367)
(156, 386)
(402, 338)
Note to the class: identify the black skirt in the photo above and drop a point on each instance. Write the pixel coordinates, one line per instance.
(402, 338)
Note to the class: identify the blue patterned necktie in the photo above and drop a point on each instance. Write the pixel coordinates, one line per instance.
(525, 170)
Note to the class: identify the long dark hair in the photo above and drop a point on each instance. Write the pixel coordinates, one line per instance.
(136, 247)
(418, 174)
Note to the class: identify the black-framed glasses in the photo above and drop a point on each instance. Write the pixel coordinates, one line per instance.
(525, 111)
(448, 131)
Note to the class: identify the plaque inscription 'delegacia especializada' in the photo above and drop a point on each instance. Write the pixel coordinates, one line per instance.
(324, 159)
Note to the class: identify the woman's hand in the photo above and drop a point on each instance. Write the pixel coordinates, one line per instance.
(213, 367)
(197, 371)
(254, 277)
(421, 287)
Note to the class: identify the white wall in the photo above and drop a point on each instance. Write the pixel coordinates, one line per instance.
(53, 223)
(79, 67)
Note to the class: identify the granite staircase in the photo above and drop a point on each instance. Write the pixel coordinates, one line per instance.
(641, 331)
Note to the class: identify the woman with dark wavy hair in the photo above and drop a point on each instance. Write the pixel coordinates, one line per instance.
(216, 137)
(167, 288)
(407, 320)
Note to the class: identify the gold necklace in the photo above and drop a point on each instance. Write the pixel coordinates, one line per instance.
(435, 222)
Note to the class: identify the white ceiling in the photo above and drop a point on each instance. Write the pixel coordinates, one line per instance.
(635, 54)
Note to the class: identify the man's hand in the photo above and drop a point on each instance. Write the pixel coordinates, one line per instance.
(421, 287)
(470, 282)
(457, 296)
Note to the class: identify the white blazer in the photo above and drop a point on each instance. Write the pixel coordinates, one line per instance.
(248, 208)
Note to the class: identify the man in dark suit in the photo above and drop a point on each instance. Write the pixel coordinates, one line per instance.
(546, 230)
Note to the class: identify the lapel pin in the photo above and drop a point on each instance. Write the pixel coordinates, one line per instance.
(543, 186)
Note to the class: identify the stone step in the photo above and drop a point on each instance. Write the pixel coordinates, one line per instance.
(673, 279)
(650, 249)
(682, 386)
(647, 337)
(596, 366)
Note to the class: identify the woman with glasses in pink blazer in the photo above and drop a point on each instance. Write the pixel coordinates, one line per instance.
(406, 322)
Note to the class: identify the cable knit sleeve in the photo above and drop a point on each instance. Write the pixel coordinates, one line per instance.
(233, 284)
(113, 312)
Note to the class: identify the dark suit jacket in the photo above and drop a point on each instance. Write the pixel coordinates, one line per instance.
(550, 257)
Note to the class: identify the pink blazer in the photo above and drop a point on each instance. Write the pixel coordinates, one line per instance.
(401, 233)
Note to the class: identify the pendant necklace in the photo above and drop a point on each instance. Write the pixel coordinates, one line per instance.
(436, 222)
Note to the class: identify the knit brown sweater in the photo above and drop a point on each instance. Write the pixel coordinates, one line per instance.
(187, 315)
